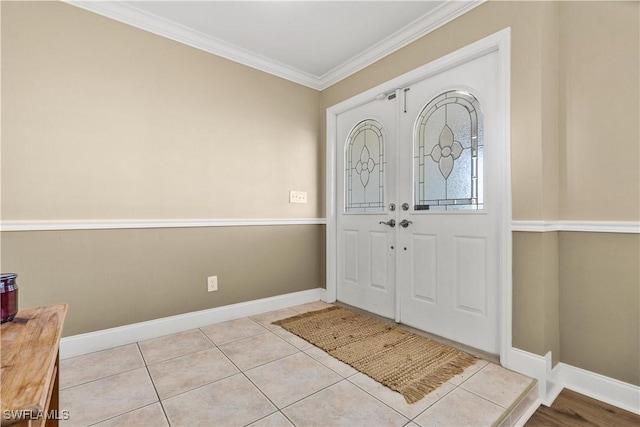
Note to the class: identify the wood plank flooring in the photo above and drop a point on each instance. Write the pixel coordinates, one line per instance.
(574, 409)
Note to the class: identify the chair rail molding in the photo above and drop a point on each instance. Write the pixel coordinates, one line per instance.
(152, 223)
(541, 226)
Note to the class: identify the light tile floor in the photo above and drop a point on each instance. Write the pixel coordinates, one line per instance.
(250, 372)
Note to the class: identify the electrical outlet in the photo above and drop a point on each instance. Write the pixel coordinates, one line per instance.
(212, 283)
(297, 197)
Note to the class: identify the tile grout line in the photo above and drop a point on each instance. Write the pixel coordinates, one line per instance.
(506, 408)
(174, 357)
(240, 371)
(128, 411)
(209, 383)
(166, 417)
(265, 363)
(379, 400)
(280, 358)
(234, 340)
(267, 416)
(459, 386)
(384, 403)
(178, 357)
(327, 366)
(101, 378)
(107, 376)
(116, 416)
(485, 398)
(223, 353)
(287, 418)
(252, 383)
(200, 386)
(312, 394)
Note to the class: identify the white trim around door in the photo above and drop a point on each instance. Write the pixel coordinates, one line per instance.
(499, 42)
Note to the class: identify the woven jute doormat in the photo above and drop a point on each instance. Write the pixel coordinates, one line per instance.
(410, 364)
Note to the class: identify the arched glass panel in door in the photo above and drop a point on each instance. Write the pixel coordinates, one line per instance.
(448, 154)
(364, 168)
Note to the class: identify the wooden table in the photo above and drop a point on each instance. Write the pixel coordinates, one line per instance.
(29, 377)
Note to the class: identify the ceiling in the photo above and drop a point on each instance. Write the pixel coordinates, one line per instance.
(314, 43)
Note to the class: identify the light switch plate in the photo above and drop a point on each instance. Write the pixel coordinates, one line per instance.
(297, 197)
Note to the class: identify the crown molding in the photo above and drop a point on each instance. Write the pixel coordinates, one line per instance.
(152, 23)
(422, 26)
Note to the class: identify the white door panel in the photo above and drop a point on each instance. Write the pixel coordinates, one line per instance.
(366, 185)
(448, 286)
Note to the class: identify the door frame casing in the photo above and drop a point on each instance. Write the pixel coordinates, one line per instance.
(500, 42)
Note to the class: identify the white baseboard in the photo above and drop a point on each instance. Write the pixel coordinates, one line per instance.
(77, 345)
(531, 365)
(608, 390)
(552, 381)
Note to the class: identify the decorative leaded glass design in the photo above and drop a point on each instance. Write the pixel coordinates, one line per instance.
(364, 168)
(448, 154)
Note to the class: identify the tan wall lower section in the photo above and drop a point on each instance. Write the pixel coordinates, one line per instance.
(112, 278)
(600, 303)
(577, 295)
(535, 326)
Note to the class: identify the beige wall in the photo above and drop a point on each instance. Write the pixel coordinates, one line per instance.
(600, 52)
(102, 121)
(536, 310)
(600, 300)
(105, 121)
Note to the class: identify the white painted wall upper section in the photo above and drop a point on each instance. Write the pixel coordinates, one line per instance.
(314, 43)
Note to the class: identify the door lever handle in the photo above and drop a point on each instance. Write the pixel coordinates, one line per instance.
(391, 223)
(404, 223)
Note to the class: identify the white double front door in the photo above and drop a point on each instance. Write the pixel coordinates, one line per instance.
(417, 214)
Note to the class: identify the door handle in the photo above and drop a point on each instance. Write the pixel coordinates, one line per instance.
(391, 223)
(404, 223)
